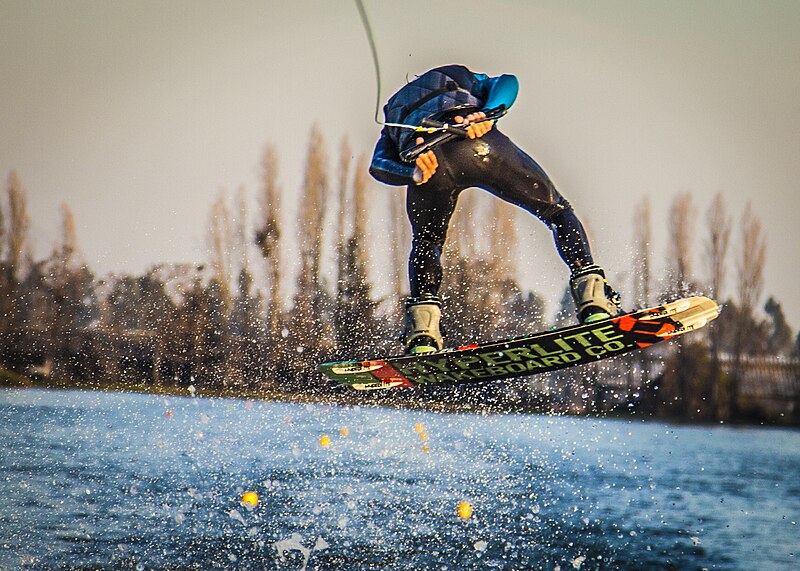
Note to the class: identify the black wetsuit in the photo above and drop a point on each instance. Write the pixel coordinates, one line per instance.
(491, 162)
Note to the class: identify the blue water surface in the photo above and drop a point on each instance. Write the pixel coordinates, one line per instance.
(92, 480)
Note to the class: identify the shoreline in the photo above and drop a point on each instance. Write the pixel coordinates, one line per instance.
(9, 379)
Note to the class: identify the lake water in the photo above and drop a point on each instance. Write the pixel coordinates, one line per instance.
(92, 480)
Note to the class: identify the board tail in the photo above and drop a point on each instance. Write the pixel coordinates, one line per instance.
(695, 317)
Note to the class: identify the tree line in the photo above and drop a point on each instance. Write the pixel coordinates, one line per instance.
(226, 323)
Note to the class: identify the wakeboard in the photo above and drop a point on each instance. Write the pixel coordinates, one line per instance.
(529, 354)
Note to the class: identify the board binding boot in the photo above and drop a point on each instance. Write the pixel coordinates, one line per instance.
(594, 298)
(422, 335)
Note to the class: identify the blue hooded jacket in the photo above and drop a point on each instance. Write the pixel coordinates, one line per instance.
(438, 90)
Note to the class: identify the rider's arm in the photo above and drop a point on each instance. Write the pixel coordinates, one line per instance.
(386, 165)
(496, 91)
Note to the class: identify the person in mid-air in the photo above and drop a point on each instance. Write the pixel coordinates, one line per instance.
(438, 165)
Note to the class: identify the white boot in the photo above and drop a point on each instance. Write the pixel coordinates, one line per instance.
(594, 298)
(422, 333)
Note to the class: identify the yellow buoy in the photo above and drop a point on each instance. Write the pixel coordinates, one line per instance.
(425, 448)
(423, 436)
(419, 429)
(344, 432)
(464, 510)
(324, 440)
(250, 499)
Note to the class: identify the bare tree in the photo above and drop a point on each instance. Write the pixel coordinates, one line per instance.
(344, 178)
(459, 319)
(642, 281)
(345, 266)
(72, 297)
(716, 249)
(315, 191)
(268, 238)
(16, 235)
(357, 330)
(642, 239)
(464, 239)
(501, 278)
(240, 225)
(750, 266)
(246, 324)
(503, 237)
(717, 243)
(221, 243)
(680, 227)
(749, 287)
(360, 208)
(310, 333)
(479, 286)
(69, 240)
(18, 226)
(681, 231)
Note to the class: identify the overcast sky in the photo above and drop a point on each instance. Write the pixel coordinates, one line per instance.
(138, 114)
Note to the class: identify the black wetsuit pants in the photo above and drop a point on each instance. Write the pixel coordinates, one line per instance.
(497, 165)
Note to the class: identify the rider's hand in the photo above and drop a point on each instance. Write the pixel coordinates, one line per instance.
(426, 165)
(477, 125)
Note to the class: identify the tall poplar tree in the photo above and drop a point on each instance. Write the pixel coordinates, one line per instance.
(681, 231)
(718, 223)
(749, 287)
(269, 239)
(16, 242)
(310, 334)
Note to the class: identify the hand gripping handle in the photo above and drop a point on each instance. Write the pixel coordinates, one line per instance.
(446, 133)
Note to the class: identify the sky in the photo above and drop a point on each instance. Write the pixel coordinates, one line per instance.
(138, 115)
